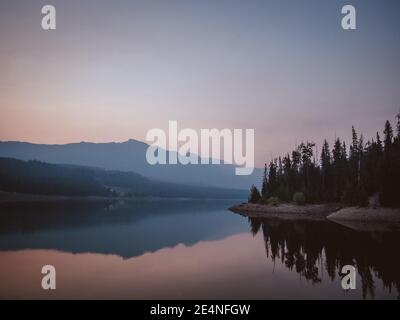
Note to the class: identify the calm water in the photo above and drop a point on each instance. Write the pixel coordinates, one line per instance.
(186, 249)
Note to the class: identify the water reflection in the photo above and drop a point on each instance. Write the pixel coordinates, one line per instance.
(126, 229)
(311, 247)
(186, 250)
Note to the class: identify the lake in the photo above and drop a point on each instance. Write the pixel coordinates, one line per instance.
(186, 249)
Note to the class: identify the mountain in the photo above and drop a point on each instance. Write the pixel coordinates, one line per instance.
(39, 178)
(130, 156)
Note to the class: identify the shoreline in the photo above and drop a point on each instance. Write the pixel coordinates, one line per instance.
(366, 214)
(285, 211)
(331, 212)
(6, 197)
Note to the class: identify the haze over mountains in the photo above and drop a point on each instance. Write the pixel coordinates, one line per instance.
(36, 178)
(130, 156)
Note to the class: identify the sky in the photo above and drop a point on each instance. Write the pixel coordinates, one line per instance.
(112, 70)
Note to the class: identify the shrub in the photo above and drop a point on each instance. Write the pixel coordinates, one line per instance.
(263, 200)
(374, 201)
(299, 198)
(273, 201)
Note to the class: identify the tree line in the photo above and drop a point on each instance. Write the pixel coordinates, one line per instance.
(341, 175)
(316, 250)
(40, 178)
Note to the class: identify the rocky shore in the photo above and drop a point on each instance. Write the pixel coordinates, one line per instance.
(318, 212)
(286, 211)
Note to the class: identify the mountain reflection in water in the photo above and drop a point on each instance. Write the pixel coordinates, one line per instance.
(186, 249)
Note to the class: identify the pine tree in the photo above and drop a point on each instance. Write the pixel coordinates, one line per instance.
(296, 157)
(290, 182)
(354, 158)
(361, 159)
(272, 179)
(326, 179)
(388, 132)
(398, 126)
(264, 183)
(254, 195)
(325, 156)
(379, 143)
(370, 168)
(344, 152)
(396, 166)
(338, 169)
(354, 145)
(388, 188)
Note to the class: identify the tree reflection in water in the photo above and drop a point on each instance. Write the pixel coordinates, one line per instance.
(314, 247)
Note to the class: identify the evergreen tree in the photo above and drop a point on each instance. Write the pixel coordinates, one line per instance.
(264, 183)
(354, 159)
(379, 143)
(326, 172)
(388, 132)
(272, 179)
(371, 168)
(389, 175)
(338, 169)
(398, 126)
(254, 195)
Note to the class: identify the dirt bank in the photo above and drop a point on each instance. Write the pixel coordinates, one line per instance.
(366, 214)
(285, 211)
(320, 212)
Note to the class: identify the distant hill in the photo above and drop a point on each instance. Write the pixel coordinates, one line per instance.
(130, 156)
(39, 178)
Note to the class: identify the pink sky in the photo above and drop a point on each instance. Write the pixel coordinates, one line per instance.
(113, 73)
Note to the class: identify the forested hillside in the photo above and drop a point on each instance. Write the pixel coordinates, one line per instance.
(348, 175)
(35, 177)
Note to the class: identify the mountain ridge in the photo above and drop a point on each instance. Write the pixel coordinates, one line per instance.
(34, 177)
(129, 156)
